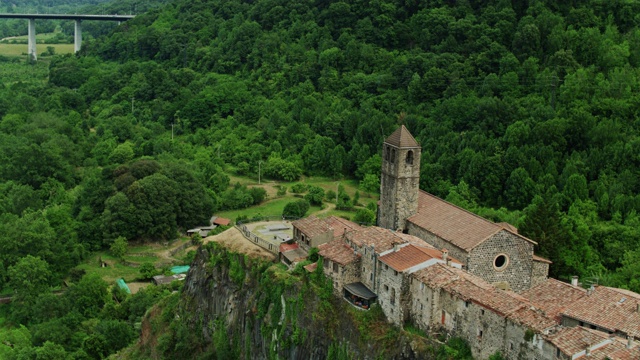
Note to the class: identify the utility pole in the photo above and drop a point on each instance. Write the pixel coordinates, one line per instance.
(259, 170)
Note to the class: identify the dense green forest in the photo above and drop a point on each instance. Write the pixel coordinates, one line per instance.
(526, 112)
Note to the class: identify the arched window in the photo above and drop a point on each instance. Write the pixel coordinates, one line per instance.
(410, 157)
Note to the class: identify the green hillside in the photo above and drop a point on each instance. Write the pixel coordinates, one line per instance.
(526, 112)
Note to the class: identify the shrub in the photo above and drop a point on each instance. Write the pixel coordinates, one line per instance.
(298, 188)
(296, 209)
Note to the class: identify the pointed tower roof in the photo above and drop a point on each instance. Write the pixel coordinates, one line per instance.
(402, 138)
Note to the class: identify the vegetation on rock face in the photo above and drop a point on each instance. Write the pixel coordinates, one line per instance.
(268, 313)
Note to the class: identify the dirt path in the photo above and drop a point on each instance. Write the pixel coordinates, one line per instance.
(233, 240)
(328, 207)
(136, 286)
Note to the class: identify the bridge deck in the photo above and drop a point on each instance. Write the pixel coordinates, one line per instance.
(68, 17)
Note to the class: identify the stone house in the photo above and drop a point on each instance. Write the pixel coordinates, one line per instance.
(494, 252)
(312, 231)
(376, 261)
(582, 343)
(341, 263)
(461, 304)
(291, 254)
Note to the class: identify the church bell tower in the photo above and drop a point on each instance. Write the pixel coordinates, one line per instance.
(399, 181)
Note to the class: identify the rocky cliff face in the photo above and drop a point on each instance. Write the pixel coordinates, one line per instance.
(237, 307)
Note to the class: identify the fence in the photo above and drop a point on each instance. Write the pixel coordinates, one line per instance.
(273, 248)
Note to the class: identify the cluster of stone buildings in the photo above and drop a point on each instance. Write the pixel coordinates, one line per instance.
(442, 269)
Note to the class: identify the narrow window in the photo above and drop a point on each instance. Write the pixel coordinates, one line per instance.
(482, 312)
(393, 296)
(466, 304)
(386, 288)
(393, 155)
(410, 157)
(386, 154)
(335, 267)
(480, 334)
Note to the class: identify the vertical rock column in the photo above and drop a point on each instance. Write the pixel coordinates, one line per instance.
(31, 51)
(77, 44)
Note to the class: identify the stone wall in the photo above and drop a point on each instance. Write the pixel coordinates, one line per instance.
(517, 270)
(483, 329)
(368, 262)
(346, 274)
(393, 293)
(516, 345)
(321, 239)
(454, 251)
(399, 186)
(422, 305)
(539, 272)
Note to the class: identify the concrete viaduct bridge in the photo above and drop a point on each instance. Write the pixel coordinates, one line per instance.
(76, 17)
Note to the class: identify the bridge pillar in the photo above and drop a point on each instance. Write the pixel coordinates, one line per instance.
(31, 44)
(77, 44)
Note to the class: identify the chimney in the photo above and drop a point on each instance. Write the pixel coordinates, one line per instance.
(587, 352)
(629, 342)
(590, 290)
(445, 255)
(574, 281)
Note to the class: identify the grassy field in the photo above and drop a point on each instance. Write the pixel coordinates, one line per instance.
(153, 253)
(111, 273)
(12, 50)
(275, 204)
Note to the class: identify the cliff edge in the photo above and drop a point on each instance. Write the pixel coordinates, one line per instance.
(235, 306)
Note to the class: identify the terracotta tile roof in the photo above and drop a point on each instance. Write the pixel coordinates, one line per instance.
(454, 224)
(288, 247)
(339, 225)
(222, 221)
(402, 138)
(554, 296)
(338, 251)
(382, 239)
(411, 255)
(622, 352)
(609, 308)
(574, 341)
(541, 259)
(468, 287)
(506, 225)
(406, 257)
(532, 318)
(312, 226)
(311, 267)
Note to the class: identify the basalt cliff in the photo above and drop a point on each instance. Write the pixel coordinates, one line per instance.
(234, 306)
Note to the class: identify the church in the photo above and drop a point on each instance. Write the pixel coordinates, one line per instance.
(493, 252)
(441, 268)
